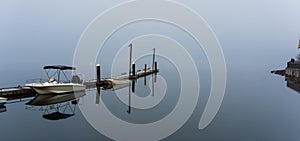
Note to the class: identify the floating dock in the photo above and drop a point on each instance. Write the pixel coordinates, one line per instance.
(16, 92)
(25, 92)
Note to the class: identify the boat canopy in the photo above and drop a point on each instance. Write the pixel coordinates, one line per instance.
(59, 67)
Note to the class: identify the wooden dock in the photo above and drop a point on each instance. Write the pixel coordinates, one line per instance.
(24, 92)
(143, 74)
(16, 92)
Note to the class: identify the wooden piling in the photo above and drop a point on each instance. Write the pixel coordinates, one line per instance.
(133, 70)
(98, 74)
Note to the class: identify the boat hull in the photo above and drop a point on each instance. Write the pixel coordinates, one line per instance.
(57, 88)
(3, 100)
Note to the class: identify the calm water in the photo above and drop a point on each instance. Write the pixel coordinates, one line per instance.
(257, 106)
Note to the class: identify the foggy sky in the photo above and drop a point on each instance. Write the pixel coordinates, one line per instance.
(35, 33)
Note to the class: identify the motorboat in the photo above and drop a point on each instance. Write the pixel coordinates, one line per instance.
(56, 85)
(3, 99)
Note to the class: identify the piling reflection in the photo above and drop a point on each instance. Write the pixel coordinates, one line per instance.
(116, 84)
(55, 107)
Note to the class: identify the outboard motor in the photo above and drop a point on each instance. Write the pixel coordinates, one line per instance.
(76, 79)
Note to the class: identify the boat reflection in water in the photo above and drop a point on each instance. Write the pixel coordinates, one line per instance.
(62, 106)
(2, 108)
(2, 104)
(55, 107)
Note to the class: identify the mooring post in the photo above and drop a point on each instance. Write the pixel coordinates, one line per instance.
(133, 70)
(145, 72)
(130, 58)
(153, 59)
(98, 75)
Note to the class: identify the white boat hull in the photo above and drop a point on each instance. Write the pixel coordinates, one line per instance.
(3, 100)
(56, 88)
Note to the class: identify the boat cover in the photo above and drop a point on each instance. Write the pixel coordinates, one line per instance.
(60, 67)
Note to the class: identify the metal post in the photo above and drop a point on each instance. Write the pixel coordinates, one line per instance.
(145, 72)
(130, 58)
(153, 58)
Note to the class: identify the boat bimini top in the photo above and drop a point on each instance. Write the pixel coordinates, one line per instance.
(59, 69)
